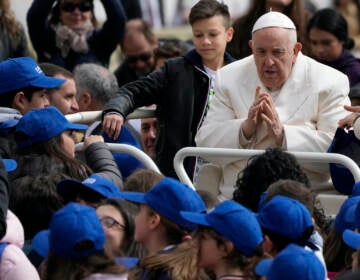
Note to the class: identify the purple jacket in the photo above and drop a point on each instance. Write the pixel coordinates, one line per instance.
(348, 64)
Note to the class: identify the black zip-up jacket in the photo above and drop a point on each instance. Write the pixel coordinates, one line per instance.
(180, 91)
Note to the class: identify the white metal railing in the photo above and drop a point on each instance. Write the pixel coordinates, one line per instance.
(131, 150)
(244, 154)
(91, 116)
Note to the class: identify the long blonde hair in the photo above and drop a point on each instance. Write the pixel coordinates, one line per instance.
(179, 262)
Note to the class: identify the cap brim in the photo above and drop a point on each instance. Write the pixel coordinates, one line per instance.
(127, 262)
(76, 126)
(134, 197)
(351, 238)
(10, 164)
(40, 243)
(195, 218)
(47, 82)
(69, 188)
(263, 267)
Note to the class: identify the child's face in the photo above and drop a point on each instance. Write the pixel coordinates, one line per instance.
(209, 253)
(210, 37)
(141, 222)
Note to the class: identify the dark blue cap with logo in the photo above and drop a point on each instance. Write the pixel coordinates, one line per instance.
(22, 72)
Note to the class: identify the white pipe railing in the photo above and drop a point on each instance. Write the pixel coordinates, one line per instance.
(128, 149)
(91, 116)
(244, 154)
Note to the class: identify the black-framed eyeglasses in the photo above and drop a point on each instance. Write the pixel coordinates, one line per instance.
(109, 222)
(145, 57)
(70, 7)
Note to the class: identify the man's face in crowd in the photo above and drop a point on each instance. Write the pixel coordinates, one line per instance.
(64, 97)
(149, 127)
(139, 53)
(275, 52)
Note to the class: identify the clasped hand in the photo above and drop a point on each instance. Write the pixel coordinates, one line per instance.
(263, 109)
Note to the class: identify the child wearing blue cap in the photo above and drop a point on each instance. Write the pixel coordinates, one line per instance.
(45, 140)
(164, 232)
(338, 255)
(284, 220)
(74, 245)
(88, 192)
(294, 262)
(117, 217)
(229, 240)
(23, 86)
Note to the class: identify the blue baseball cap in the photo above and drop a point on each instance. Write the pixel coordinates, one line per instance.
(294, 262)
(22, 72)
(69, 188)
(232, 221)
(40, 125)
(75, 232)
(285, 216)
(168, 197)
(356, 189)
(345, 219)
(10, 164)
(351, 238)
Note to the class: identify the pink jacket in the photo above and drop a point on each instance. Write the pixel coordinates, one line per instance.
(14, 264)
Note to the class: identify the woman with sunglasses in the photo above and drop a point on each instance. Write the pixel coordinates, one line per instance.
(70, 35)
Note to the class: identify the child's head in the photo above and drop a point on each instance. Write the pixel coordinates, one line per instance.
(210, 23)
(40, 125)
(142, 180)
(205, 9)
(285, 220)
(229, 233)
(117, 217)
(89, 192)
(293, 262)
(75, 232)
(23, 84)
(163, 202)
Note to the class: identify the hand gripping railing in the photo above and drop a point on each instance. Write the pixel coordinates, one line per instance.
(128, 149)
(91, 116)
(244, 154)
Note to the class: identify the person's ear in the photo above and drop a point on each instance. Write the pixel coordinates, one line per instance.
(20, 102)
(229, 34)
(85, 99)
(268, 246)
(251, 44)
(297, 49)
(154, 221)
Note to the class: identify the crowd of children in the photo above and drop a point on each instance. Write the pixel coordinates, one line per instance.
(66, 218)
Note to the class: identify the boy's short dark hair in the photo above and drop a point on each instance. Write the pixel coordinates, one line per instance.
(208, 8)
(7, 98)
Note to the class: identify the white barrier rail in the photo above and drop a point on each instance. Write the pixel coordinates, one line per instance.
(91, 116)
(131, 150)
(244, 154)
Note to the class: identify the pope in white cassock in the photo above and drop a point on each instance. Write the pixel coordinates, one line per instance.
(277, 97)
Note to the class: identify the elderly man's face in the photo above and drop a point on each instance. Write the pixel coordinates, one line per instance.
(275, 54)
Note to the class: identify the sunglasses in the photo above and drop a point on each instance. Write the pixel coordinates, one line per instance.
(109, 222)
(70, 7)
(143, 57)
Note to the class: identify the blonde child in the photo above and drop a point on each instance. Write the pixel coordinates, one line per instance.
(164, 232)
